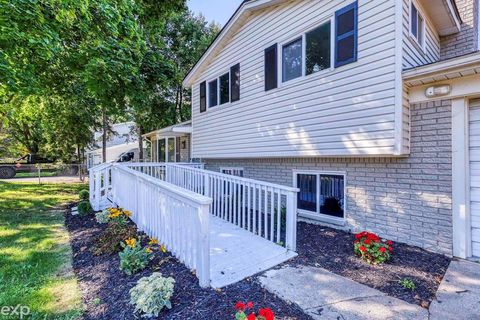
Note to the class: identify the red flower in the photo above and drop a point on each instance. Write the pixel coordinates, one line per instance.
(389, 242)
(267, 313)
(240, 306)
(367, 241)
(390, 248)
(362, 248)
(382, 249)
(251, 316)
(249, 305)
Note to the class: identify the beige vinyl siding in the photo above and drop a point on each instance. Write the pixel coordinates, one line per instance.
(413, 55)
(346, 111)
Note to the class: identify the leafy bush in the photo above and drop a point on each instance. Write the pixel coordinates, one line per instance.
(407, 284)
(109, 241)
(263, 314)
(151, 294)
(102, 216)
(84, 208)
(84, 195)
(371, 248)
(134, 257)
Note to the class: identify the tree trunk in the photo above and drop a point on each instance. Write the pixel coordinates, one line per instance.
(104, 136)
(140, 143)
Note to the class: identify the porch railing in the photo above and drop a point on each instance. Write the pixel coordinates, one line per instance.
(99, 185)
(266, 209)
(178, 218)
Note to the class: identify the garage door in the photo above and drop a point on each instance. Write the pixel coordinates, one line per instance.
(475, 174)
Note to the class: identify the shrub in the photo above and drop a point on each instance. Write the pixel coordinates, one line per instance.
(134, 257)
(371, 248)
(102, 216)
(151, 294)
(84, 195)
(84, 208)
(263, 314)
(108, 242)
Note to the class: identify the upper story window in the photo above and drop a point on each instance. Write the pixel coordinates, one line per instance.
(313, 51)
(221, 90)
(292, 60)
(318, 49)
(225, 88)
(212, 93)
(346, 21)
(417, 24)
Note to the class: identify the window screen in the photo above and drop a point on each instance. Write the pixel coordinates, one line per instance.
(318, 49)
(225, 88)
(212, 94)
(292, 60)
(271, 68)
(235, 83)
(203, 96)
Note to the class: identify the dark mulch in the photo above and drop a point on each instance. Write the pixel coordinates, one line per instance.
(332, 249)
(105, 288)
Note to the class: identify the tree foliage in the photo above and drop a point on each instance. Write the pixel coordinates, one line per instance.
(69, 67)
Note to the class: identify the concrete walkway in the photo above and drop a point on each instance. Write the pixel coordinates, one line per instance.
(458, 296)
(325, 295)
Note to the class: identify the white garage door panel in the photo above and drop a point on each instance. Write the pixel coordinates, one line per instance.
(474, 151)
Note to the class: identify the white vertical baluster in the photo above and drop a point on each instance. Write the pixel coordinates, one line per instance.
(279, 215)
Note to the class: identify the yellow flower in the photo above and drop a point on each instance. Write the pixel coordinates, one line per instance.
(153, 241)
(127, 213)
(131, 242)
(148, 250)
(163, 248)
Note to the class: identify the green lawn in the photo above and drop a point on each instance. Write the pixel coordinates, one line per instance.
(35, 174)
(35, 257)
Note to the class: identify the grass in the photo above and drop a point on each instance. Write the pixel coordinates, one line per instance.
(35, 174)
(35, 256)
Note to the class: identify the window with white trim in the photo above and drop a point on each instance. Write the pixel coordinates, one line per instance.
(321, 194)
(417, 24)
(233, 171)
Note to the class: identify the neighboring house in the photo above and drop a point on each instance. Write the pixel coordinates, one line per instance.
(357, 104)
(170, 144)
(123, 140)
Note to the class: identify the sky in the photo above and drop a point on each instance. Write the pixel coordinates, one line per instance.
(215, 10)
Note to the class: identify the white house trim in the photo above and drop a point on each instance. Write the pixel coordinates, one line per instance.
(462, 243)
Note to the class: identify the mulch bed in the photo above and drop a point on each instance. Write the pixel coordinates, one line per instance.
(105, 288)
(332, 249)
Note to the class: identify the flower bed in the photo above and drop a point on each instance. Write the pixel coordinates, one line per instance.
(333, 250)
(105, 287)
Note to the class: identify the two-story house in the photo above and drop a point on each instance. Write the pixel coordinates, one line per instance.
(367, 106)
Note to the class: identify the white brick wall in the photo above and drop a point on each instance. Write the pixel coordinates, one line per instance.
(405, 199)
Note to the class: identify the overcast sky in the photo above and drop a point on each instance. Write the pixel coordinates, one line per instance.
(215, 10)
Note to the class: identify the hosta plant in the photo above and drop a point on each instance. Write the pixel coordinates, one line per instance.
(244, 311)
(102, 216)
(372, 248)
(134, 257)
(151, 294)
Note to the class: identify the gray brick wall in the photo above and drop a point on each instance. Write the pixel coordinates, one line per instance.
(405, 199)
(466, 41)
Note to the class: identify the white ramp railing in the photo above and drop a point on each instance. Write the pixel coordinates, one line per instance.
(266, 209)
(178, 218)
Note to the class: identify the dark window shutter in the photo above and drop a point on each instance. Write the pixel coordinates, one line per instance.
(203, 96)
(271, 68)
(235, 83)
(346, 21)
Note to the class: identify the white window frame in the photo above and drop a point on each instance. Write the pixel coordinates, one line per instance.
(317, 215)
(218, 90)
(422, 42)
(303, 36)
(233, 169)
